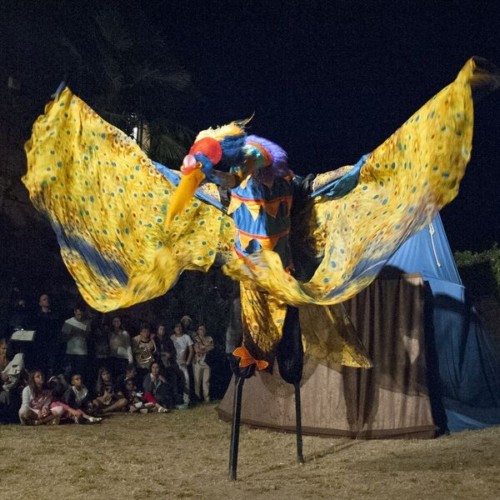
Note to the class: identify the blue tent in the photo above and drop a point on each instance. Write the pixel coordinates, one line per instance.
(463, 365)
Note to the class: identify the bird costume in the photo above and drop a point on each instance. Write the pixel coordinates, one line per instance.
(128, 226)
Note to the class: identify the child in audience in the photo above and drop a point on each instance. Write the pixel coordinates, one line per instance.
(36, 406)
(77, 397)
(108, 398)
(130, 374)
(58, 386)
(134, 398)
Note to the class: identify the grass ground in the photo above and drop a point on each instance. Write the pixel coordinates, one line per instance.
(185, 455)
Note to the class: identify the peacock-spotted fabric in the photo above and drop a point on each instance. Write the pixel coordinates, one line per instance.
(402, 184)
(107, 203)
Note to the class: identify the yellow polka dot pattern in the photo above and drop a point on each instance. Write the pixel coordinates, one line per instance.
(104, 197)
(263, 319)
(402, 185)
(107, 204)
(327, 333)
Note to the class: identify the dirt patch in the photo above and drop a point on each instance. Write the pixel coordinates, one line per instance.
(185, 455)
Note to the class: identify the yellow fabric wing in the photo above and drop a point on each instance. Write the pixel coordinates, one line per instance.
(402, 185)
(107, 204)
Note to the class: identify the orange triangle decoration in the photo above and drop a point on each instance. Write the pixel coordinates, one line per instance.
(266, 242)
(270, 206)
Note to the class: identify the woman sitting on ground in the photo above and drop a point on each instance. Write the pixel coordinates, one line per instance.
(108, 398)
(156, 390)
(37, 406)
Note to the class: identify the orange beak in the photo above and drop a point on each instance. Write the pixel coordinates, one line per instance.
(184, 193)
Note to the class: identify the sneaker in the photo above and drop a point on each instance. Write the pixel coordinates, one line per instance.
(163, 410)
(94, 420)
(183, 406)
(143, 411)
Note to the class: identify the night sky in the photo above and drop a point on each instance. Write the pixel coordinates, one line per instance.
(330, 80)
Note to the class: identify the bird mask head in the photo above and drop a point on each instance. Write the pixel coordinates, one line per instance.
(221, 147)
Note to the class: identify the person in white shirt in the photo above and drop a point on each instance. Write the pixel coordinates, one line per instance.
(184, 355)
(75, 331)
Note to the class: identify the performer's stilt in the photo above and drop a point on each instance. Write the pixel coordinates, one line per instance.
(290, 356)
(298, 423)
(235, 430)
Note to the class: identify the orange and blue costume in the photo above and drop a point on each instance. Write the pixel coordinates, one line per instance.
(128, 226)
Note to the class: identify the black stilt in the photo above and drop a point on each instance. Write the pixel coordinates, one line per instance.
(290, 356)
(235, 430)
(298, 423)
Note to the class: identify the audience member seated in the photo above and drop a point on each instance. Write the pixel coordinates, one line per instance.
(12, 381)
(77, 397)
(156, 390)
(36, 405)
(108, 397)
(134, 398)
(130, 374)
(58, 386)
